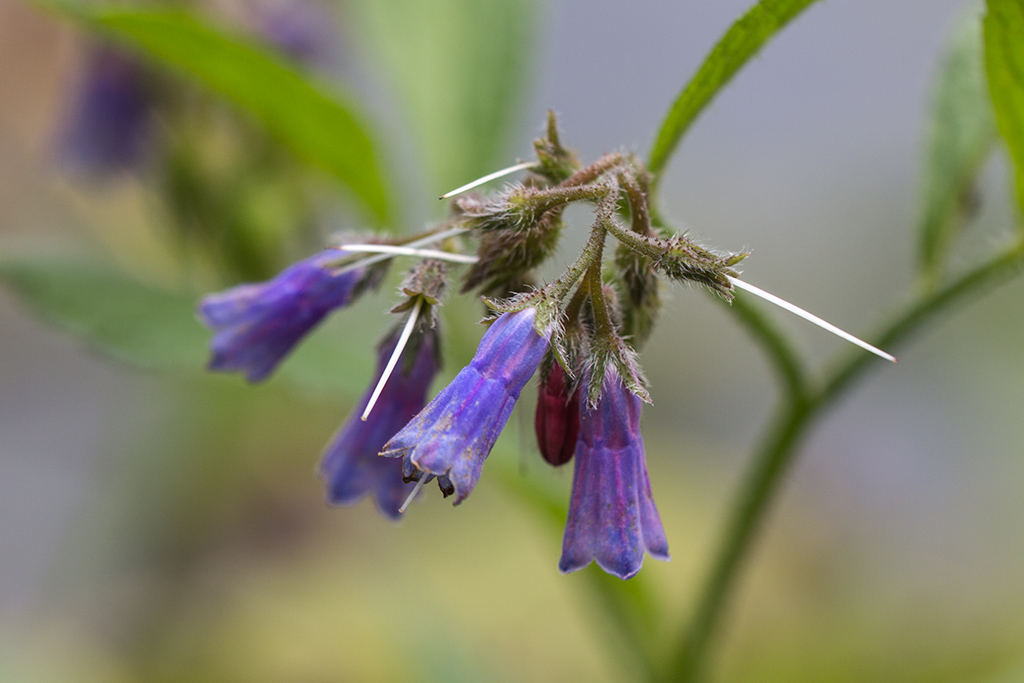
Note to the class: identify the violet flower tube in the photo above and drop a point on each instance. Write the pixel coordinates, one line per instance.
(257, 324)
(455, 433)
(110, 126)
(351, 464)
(612, 517)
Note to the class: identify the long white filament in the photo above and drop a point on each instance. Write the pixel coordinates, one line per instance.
(393, 361)
(782, 303)
(489, 177)
(423, 241)
(416, 489)
(409, 251)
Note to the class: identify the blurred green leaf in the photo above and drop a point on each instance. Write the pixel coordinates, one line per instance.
(109, 309)
(156, 328)
(1004, 64)
(961, 134)
(323, 130)
(733, 50)
(459, 67)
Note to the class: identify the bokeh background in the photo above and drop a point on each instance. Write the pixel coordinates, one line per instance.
(167, 525)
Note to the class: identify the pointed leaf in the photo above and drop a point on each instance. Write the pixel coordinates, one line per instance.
(741, 42)
(156, 328)
(109, 309)
(323, 129)
(961, 134)
(1004, 64)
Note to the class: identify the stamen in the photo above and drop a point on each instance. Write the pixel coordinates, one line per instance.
(409, 251)
(782, 303)
(491, 176)
(429, 239)
(419, 485)
(393, 361)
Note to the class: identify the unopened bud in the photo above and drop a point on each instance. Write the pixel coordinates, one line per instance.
(557, 421)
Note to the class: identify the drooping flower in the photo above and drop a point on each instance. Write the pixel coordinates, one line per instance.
(351, 464)
(257, 324)
(557, 420)
(454, 434)
(109, 126)
(612, 516)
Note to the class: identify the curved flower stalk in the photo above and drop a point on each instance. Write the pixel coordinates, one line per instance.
(257, 324)
(350, 464)
(612, 517)
(454, 434)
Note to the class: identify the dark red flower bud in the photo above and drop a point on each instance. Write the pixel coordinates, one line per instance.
(557, 421)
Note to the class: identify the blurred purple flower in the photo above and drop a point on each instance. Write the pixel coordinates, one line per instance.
(301, 29)
(612, 517)
(455, 433)
(351, 464)
(110, 124)
(257, 324)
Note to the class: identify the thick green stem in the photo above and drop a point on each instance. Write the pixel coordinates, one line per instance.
(779, 450)
(757, 491)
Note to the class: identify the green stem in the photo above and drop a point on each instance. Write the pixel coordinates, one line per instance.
(756, 493)
(779, 449)
(592, 251)
(741, 42)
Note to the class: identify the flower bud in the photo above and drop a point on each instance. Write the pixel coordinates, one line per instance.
(557, 421)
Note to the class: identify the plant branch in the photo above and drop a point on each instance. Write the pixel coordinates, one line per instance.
(779, 448)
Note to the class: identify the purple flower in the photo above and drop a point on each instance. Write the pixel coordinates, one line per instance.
(303, 30)
(257, 325)
(454, 434)
(612, 517)
(110, 125)
(351, 464)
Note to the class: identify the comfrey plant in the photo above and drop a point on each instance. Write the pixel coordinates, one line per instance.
(238, 199)
(582, 330)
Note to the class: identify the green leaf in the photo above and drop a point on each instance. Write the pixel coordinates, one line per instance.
(109, 309)
(323, 130)
(156, 328)
(961, 135)
(741, 42)
(458, 68)
(1004, 65)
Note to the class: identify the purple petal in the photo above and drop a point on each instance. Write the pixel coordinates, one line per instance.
(257, 325)
(455, 433)
(351, 464)
(612, 517)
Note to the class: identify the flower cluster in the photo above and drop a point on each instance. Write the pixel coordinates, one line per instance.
(583, 331)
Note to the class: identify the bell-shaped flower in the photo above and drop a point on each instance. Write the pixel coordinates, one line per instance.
(612, 517)
(351, 465)
(454, 434)
(257, 324)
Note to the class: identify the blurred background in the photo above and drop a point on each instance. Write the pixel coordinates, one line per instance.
(162, 524)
